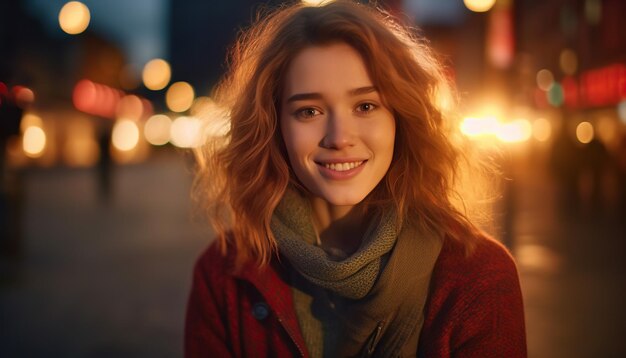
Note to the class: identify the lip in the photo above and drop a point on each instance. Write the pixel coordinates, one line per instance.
(337, 175)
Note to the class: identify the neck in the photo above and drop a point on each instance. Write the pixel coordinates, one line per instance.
(338, 227)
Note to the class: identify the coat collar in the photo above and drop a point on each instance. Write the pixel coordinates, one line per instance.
(271, 283)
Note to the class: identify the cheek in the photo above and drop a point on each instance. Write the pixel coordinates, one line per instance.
(383, 137)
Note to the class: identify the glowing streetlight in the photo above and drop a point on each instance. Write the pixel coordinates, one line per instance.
(157, 129)
(34, 141)
(179, 96)
(74, 17)
(479, 5)
(584, 132)
(156, 74)
(125, 135)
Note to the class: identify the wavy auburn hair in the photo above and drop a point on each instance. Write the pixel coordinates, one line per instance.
(242, 176)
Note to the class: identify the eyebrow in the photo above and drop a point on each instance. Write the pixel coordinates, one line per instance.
(315, 95)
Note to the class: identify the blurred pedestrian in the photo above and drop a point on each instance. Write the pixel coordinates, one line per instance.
(10, 181)
(331, 198)
(105, 164)
(566, 170)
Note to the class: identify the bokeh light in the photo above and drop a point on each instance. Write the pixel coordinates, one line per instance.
(179, 97)
(584, 132)
(156, 74)
(30, 120)
(477, 126)
(96, 99)
(542, 130)
(545, 79)
(444, 99)
(125, 135)
(24, 96)
(315, 2)
(130, 107)
(593, 11)
(568, 61)
(34, 141)
(186, 132)
(479, 5)
(157, 129)
(74, 17)
(519, 130)
(555, 95)
(201, 105)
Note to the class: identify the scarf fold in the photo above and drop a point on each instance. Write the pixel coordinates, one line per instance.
(353, 277)
(371, 303)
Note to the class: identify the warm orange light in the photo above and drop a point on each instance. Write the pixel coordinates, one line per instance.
(186, 132)
(584, 132)
(156, 74)
(568, 61)
(130, 107)
(479, 5)
(515, 131)
(538, 258)
(179, 97)
(444, 99)
(95, 98)
(545, 79)
(74, 17)
(125, 135)
(478, 126)
(34, 141)
(315, 2)
(30, 120)
(542, 130)
(201, 105)
(157, 129)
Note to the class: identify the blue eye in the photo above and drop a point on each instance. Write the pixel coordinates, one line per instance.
(366, 107)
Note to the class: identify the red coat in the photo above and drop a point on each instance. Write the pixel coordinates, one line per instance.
(474, 308)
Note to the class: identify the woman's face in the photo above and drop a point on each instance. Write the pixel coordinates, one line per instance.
(338, 133)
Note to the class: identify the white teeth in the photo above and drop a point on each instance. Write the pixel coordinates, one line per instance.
(342, 167)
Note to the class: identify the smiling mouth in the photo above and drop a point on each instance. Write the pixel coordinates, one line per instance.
(342, 167)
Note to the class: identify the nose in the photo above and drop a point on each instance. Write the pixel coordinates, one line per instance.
(340, 132)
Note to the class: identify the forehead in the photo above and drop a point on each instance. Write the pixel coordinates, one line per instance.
(326, 68)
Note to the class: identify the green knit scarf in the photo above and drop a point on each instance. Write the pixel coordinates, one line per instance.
(369, 304)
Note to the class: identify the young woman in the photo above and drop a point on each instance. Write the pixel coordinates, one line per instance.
(331, 196)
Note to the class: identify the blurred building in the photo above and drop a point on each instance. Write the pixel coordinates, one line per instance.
(571, 67)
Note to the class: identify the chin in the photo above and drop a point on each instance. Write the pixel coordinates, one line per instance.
(343, 199)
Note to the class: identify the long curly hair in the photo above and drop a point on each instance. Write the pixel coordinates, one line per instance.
(242, 176)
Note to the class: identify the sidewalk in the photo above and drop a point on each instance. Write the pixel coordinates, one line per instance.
(103, 279)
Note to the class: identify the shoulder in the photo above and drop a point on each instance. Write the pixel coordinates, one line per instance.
(219, 268)
(475, 303)
(212, 259)
(484, 280)
(488, 262)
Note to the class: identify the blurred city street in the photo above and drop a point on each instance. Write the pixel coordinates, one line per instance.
(101, 103)
(102, 279)
(110, 278)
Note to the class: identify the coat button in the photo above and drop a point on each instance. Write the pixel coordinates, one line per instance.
(260, 311)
